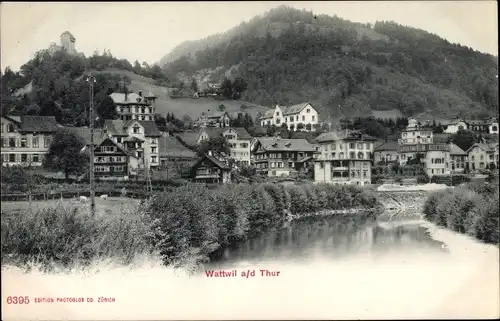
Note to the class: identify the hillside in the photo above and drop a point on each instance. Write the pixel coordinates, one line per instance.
(289, 56)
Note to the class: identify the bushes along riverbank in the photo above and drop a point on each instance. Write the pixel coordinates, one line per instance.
(472, 209)
(183, 226)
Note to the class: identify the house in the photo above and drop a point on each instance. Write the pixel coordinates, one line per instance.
(485, 126)
(482, 156)
(214, 119)
(282, 157)
(135, 106)
(344, 157)
(302, 116)
(414, 140)
(26, 139)
(436, 159)
(386, 152)
(137, 137)
(209, 169)
(238, 138)
(453, 126)
(458, 159)
(175, 158)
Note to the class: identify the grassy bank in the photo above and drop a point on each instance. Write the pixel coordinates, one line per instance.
(471, 209)
(183, 226)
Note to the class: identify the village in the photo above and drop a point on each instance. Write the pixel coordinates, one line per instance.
(132, 147)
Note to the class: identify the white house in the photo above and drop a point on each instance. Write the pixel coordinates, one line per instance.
(302, 116)
(454, 126)
(238, 138)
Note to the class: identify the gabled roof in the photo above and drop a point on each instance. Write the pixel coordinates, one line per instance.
(242, 133)
(218, 131)
(274, 144)
(455, 150)
(268, 114)
(117, 127)
(170, 146)
(387, 146)
(107, 139)
(294, 109)
(39, 124)
(345, 135)
(214, 160)
(486, 147)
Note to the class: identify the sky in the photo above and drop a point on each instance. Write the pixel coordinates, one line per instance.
(146, 31)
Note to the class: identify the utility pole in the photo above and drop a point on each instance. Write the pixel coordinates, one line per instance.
(91, 81)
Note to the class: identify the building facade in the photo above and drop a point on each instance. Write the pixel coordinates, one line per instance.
(282, 157)
(437, 159)
(26, 139)
(458, 159)
(484, 126)
(135, 106)
(483, 156)
(454, 126)
(300, 117)
(386, 153)
(112, 161)
(238, 138)
(209, 169)
(413, 141)
(139, 138)
(344, 158)
(217, 119)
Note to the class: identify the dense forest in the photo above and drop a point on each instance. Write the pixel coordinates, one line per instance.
(59, 87)
(289, 56)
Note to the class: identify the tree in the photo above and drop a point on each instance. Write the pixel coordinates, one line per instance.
(239, 85)
(464, 139)
(194, 85)
(226, 88)
(65, 153)
(161, 122)
(215, 144)
(188, 121)
(106, 109)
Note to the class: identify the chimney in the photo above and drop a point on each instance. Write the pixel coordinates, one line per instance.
(140, 93)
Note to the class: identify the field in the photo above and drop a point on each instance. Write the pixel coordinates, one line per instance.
(182, 106)
(111, 205)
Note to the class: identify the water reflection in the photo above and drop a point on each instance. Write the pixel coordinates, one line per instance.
(333, 237)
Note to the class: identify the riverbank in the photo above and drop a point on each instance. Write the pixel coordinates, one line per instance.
(472, 209)
(182, 226)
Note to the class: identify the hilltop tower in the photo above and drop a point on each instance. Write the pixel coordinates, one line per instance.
(68, 42)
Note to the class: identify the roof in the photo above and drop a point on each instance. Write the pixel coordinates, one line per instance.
(40, 124)
(487, 147)
(452, 122)
(387, 146)
(268, 114)
(132, 98)
(84, 132)
(117, 127)
(214, 160)
(294, 109)
(345, 135)
(274, 144)
(69, 34)
(117, 146)
(133, 139)
(455, 150)
(217, 131)
(171, 146)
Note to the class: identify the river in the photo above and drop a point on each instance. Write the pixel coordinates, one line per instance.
(349, 267)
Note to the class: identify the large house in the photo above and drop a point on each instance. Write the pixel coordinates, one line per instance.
(453, 126)
(209, 169)
(414, 140)
(482, 156)
(137, 137)
(26, 139)
(297, 117)
(486, 126)
(237, 137)
(214, 119)
(344, 158)
(132, 106)
(458, 159)
(282, 157)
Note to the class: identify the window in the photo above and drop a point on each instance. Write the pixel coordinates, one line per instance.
(308, 110)
(136, 129)
(12, 142)
(24, 142)
(154, 159)
(360, 146)
(303, 118)
(3, 142)
(10, 128)
(35, 158)
(326, 148)
(118, 168)
(273, 164)
(352, 145)
(46, 142)
(313, 117)
(2, 128)
(119, 140)
(352, 155)
(108, 149)
(34, 142)
(291, 119)
(244, 145)
(333, 155)
(153, 150)
(360, 155)
(12, 158)
(297, 117)
(24, 158)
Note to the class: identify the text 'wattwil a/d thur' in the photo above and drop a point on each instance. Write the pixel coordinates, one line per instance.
(245, 273)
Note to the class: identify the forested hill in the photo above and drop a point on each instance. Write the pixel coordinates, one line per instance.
(289, 56)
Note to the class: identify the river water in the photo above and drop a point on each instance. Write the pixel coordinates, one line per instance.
(349, 267)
